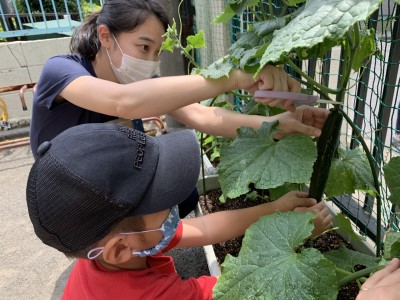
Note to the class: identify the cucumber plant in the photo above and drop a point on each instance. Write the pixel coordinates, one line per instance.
(273, 263)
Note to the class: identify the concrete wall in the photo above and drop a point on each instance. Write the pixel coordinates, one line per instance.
(22, 62)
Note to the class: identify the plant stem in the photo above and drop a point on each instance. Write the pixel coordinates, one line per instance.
(261, 5)
(201, 153)
(180, 20)
(376, 180)
(311, 80)
(353, 276)
(271, 9)
(283, 12)
(188, 56)
(342, 271)
(357, 37)
(350, 48)
(319, 91)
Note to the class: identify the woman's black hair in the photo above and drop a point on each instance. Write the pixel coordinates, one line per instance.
(118, 16)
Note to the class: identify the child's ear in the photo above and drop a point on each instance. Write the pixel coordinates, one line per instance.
(117, 250)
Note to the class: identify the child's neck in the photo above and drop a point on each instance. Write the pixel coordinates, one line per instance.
(136, 263)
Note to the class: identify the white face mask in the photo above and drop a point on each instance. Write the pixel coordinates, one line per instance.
(134, 69)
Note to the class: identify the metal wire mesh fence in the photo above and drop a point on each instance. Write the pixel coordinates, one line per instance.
(372, 99)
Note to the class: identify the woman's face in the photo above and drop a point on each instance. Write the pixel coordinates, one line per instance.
(142, 43)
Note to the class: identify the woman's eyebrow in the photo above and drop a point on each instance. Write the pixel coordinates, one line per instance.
(146, 38)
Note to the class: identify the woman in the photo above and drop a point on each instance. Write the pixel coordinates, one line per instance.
(111, 71)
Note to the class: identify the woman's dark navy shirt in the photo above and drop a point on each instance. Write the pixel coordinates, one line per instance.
(50, 118)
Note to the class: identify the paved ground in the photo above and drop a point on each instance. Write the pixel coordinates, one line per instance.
(30, 269)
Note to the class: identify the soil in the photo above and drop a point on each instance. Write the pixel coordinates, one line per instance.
(326, 242)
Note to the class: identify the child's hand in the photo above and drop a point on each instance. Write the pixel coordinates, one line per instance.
(323, 219)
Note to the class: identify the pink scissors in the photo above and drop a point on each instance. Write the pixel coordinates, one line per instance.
(298, 98)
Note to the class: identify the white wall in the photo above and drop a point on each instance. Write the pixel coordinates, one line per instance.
(22, 62)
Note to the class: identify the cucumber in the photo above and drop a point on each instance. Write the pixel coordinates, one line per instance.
(327, 145)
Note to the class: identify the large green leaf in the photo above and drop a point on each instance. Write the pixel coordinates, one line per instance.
(320, 20)
(392, 245)
(269, 26)
(234, 7)
(392, 177)
(349, 173)
(279, 191)
(255, 157)
(218, 69)
(346, 259)
(365, 49)
(270, 266)
(344, 224)
(247, 40)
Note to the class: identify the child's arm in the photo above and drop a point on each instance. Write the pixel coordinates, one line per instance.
(225, 225)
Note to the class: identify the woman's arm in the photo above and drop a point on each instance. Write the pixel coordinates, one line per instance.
(222, 122)
(158, 96)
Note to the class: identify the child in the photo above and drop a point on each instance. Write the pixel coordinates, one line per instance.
(108, 195)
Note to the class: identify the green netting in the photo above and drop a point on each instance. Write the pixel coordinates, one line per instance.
(372, 100)
(218, 35)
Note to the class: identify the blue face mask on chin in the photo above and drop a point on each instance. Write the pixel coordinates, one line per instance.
(168, 230)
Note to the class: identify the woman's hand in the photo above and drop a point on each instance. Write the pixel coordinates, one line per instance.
(383, 285)
(270, 78)
(294, 199)
(306, 120)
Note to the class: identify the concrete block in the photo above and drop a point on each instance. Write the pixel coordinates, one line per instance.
(37, 52)
(14, 76)
(9, 56)
(34, 72)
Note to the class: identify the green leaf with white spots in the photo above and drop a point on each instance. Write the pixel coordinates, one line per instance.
(279, 191)
(344, 224)
(347, 259)
(218, 69)
(255, 157)
(270, 265)
(320, 21)
(392, 177)
(349, 173)
(365, 49)
(234, 7)
(392, 245)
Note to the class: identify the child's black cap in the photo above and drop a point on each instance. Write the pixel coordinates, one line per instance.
(90, 177)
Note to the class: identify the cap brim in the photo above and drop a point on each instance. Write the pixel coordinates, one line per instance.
(178, 169)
